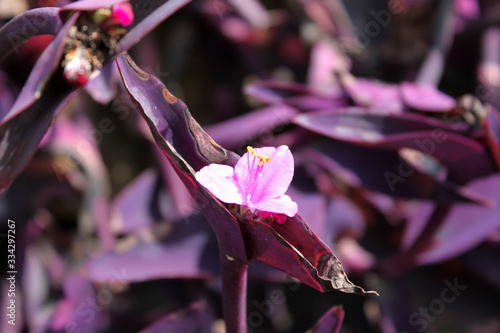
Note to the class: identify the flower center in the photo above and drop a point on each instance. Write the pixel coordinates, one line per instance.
(93, 39)
(255, 172)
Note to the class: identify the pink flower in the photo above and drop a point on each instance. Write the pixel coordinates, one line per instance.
(259, 181)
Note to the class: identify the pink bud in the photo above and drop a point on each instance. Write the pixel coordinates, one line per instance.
(77, 71)
(123, 13)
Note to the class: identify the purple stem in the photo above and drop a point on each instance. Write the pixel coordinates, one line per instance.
(234, 292)
(432, 68)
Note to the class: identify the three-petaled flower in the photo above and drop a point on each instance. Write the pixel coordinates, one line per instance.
(259, 181)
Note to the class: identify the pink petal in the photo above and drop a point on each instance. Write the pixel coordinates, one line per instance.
(276, 174)
(282, 205)
(219, 179)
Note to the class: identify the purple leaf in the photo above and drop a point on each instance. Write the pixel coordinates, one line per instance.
(326, 60)
(237, 130)
(376, 96)
(181, 258)
(35, 22)
(21, 136)
(425, 98)
(89, 5)
(466, 225)
(420, 214)
(77, 291)
(41, 74)
(136, 204)
(294, 248)
(312, 208)
(103, 88)
(464, 158)
(185, 320)
(293, 94)
(183, 204)
(186, 146)
(390, 174)
(330, 322)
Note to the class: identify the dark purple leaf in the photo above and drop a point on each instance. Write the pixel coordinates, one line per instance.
(464, 158)
(390, 174)
(294, 248)
(330, 322)
(185, 320)
(182, 202)
(21, 135)
(7, 95)
(186, 146)
(148, 14)
(41, 74)
(35, 22)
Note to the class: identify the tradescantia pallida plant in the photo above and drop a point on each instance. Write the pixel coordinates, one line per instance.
(259, 221)
(244, 199)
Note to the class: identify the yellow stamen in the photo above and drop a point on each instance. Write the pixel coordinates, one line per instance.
(250, 149)
(262, 159)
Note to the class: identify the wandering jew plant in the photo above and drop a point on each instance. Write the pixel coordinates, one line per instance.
(313, 147)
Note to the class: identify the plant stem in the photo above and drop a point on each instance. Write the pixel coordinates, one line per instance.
(234, 292)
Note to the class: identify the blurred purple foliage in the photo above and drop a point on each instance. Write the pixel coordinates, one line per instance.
(390, 109)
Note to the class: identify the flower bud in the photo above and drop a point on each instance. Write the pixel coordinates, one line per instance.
(77, 71)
